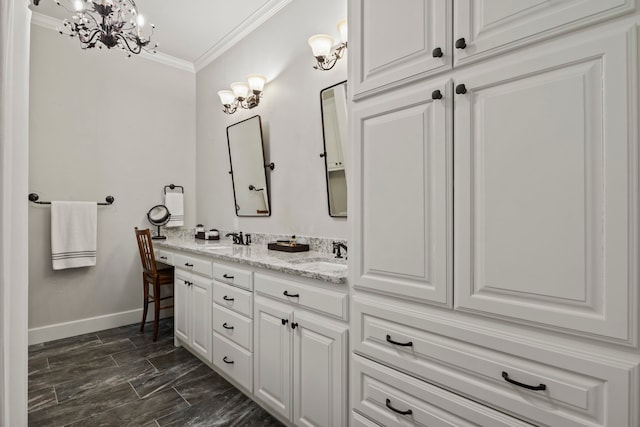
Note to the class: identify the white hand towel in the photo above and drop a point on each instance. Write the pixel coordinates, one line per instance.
(175, 203)
(74, 234)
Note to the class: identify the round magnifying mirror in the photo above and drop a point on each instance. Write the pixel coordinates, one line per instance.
(159, 215)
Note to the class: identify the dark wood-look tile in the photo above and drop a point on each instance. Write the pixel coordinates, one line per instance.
(203, 388)
(159, 348)
(38, 364)
(219, 411)
(90, 353)
(138, 412)
(151, 383)
(86, 406)
(257, 417)
(63, 346)
(102, 379)
(56, 376)
(41, 399)
(165, 330)
(176, 357)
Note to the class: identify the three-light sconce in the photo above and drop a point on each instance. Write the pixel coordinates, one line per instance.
(243, 95)
(322, 47)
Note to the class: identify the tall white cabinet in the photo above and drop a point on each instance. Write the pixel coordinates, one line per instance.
(494, 212)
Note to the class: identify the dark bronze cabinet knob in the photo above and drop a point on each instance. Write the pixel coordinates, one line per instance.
(436, 94)
(461, 43)
(437, 53)
(461, 89)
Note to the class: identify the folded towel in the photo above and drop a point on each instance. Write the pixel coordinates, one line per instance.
(175, 203)
(74, 234)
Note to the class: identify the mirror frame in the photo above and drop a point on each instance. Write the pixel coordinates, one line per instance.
(324, 152)
(264, 166)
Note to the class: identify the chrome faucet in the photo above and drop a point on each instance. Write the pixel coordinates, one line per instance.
(336, 249)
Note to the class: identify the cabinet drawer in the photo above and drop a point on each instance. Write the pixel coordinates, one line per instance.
(358, 420)
(234, 361)
(233, 276)
(233, 326)
(193, 263)
(577, 391)
(164, 256)
(298, 294)
(233, 298)
(396, 399)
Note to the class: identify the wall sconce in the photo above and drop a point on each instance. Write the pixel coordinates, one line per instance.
(244, 95)
(321, 45)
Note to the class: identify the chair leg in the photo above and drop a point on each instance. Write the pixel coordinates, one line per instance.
(145, 304)
(156, 300)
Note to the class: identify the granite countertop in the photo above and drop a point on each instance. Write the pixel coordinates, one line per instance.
(314, 265)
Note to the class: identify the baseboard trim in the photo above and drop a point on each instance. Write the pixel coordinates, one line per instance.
(92, 324)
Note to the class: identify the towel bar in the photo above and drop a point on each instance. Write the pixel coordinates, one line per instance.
(33, 197)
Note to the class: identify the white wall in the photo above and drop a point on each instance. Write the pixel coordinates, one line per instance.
(291, 120)
(102, 124)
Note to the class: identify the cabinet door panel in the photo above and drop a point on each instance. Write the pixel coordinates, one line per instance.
(393, 42)
(402, 164)
(201, 316)
(546, 172)
(489, 27)
(272, 358)
(319, 372)
(182, 303)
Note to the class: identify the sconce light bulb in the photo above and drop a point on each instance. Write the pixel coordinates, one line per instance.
(321, 45)
(226, 97)
(240, 90)
(256, 82)
(78, 5)
(140, 20)
(343, 28)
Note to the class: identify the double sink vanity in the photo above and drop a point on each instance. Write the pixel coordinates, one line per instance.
(273, 323)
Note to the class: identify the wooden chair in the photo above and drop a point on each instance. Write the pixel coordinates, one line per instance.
(154, 275)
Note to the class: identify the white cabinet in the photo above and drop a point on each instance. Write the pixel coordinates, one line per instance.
(193, 312)
(544, 164)
(399, 42)
(395, 43)
(300, 361)
(403, 171)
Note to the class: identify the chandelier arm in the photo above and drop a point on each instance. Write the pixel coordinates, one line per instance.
(90, 38)
(126, 42)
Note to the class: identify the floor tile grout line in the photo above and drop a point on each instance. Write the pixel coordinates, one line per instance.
(134, 389)
(181, 396)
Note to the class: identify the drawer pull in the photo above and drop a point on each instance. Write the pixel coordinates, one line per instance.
(519, 384)
(188, 265)
(397, 411)
(287, 294)
(224, 359)
(226, 276)
(402, 344)
(163, 257)
(224, 325)
(226, 298)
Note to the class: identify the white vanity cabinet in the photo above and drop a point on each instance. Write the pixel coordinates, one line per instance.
(233, 323)
(510, 210)
(192, 312)
(300, 355)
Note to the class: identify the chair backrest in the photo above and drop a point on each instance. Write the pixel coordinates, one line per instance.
(146, 252)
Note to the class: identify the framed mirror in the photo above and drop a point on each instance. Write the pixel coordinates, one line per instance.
(333, 105)
(248, 168)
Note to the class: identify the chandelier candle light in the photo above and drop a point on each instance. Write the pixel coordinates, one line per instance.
(112, 23)
(244, 95)
(322, 44)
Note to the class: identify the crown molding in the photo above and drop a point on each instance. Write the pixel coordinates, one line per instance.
(54, 24)
(251, 23)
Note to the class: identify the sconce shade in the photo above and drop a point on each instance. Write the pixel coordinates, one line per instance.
(240, 90)
(342, 27)
(256, 82)
(321, 45)
(226, 97)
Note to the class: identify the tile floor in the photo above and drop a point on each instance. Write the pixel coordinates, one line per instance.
(120, 377)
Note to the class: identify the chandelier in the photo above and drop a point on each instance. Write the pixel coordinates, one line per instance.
(111, 23)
